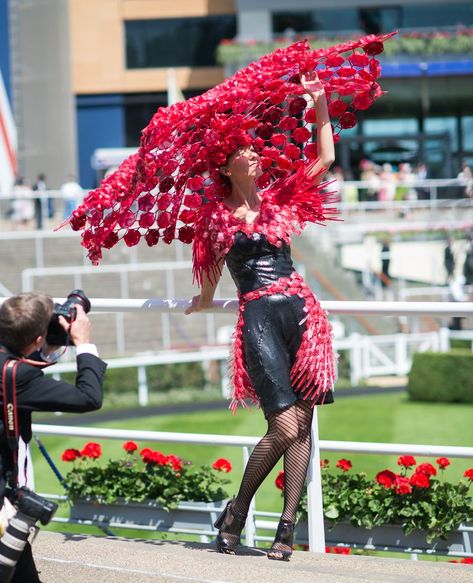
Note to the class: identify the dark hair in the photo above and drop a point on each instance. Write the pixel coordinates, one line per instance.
(23, 318)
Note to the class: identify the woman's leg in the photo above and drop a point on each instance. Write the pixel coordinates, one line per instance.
(283, 430)
(296, 462)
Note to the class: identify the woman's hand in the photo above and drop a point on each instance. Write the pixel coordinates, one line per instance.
(312, 84)
(197, 305)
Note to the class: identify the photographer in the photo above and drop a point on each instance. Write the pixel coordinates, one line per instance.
(24, 322)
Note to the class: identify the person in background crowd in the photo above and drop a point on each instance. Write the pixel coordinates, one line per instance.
(368, 174)
(72, 194)
(421, 173)
(40, 209)
(467, 175)
(22, 211)
(468, 264)
(449, 260)
(387, 183)
(385, 263)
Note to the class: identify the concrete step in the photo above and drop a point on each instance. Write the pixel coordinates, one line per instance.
(79, 558)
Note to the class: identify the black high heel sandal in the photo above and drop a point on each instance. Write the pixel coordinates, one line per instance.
(229, 522)
(284, 536)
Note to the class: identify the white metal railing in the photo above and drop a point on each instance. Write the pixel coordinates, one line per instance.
(314, 491)
(380, 355)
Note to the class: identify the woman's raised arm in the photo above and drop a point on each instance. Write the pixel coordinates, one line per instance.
(325, 144)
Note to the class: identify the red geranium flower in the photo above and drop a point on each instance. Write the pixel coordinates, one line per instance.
(406, 460)
(443, 462)
(92, 450)
(69, 455)
(222, 465)
(420, 479)
(344, 464)
(402, 485)
(280, 480)
(130, 446)
(427, 469)
(467, 560)
(469, 474)
(175, 462)
(386, 478)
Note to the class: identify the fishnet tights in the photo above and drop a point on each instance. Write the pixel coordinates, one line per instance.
(289, 434)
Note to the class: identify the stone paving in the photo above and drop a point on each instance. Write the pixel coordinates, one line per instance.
(78, 558)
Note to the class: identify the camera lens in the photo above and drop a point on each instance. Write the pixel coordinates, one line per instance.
(78, 297)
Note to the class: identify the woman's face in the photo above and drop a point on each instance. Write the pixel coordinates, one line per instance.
(244, 162)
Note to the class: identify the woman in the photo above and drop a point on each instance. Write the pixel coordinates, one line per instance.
(272, 331)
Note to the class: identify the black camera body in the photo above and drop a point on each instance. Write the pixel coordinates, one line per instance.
(33, 505)
(56, 335)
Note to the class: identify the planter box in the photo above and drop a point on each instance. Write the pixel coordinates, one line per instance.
(391, 538)
(192, 517)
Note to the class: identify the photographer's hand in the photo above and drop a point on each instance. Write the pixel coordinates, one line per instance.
(80, 328)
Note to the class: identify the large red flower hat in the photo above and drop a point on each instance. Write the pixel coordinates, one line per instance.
(154, 194)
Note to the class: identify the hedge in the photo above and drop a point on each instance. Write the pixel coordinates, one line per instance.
(186, 375)
(442, 376)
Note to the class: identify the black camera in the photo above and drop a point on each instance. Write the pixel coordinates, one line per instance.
(33, 505)
(56, 335)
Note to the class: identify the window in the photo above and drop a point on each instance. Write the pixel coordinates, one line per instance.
(442, 125)
(467, 130)
(316, 20)
(176, 42)
(449, 14)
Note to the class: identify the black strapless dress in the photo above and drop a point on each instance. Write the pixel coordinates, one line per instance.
(273, 324)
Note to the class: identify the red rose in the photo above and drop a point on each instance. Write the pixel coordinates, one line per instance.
(348, 120)
(146, 202)
(280, 480)
(187, 216)
(166, 184)
(130, 446)
(334, 61)
(427, 469)
(402, 485)
(110, 240)
(152, 237)
(443, 462)
(92, 450)
(337, 107)
(132, 238)
(346, 72)
(406, 460)
(292, 151)
(358, 60)
(193, 201)
(311, 151)
(310, 116)
(164, 201)
(288, 123)
(77, 221)
(469, 474)
(301, 135)
(164, 219)
(374, 48)
(344, 464)
(386, 478)
(222, 465)
(69, 455)
(186, 234)
(297, 105)
(279, 139)
(195, 183)
(146, 220)
(420, 480)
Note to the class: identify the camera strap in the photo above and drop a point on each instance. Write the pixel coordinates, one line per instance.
(10, 415)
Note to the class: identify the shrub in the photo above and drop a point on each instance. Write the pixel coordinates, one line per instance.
(442, 376)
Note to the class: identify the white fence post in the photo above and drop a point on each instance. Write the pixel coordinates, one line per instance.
(356, 366)
(402, 364)
(444, 340)
(143, 396)
(315, 509)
